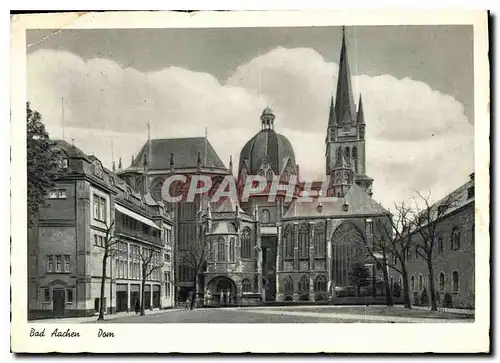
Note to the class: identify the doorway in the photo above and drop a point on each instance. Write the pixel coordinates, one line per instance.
(59, 302)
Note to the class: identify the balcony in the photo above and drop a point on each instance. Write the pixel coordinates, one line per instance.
(139, 233)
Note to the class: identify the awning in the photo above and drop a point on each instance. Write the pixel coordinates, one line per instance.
(136, 216)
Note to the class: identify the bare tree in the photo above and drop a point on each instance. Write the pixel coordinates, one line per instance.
(108, 248)
(194, 257)
(151, 260)
(424, 223)
(392, 239)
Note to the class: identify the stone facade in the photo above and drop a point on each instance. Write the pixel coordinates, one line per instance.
(65, 250)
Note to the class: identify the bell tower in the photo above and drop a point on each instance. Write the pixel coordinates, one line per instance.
(345, 135)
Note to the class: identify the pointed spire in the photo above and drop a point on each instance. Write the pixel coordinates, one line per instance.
(171, 161)
(332, 119)
(344, 102)
(132, 163)
(231, 164)
(114, 167)
(361, 115)
(119, 164)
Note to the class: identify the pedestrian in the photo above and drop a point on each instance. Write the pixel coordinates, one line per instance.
(137, 307)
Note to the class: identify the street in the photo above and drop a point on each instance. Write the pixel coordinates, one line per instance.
(297, 314)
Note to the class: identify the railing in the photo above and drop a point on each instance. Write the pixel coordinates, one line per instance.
(138, 234)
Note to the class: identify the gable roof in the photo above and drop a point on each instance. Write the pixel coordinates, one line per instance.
(184, 150)
(360, 203)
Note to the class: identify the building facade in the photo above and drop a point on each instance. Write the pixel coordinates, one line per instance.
(89, 206)
(453, 258)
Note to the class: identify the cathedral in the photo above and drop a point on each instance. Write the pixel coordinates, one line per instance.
(255, 250)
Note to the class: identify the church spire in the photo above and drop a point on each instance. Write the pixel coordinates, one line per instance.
(332, 119)
(361, 115)
(344, 102)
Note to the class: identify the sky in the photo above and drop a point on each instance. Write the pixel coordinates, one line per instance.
(416, 82)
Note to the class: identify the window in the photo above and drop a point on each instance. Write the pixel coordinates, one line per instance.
(246, 245)
(99, 208)
(96, 239)
(337, 154)
(319, 241)
(454, 286)
(46, 295)
(50, 266)
(346, 177)
(246, 285)
(57, 194)
(355, 158)
(288, 239)
(289, 285)
(413, 283)
(167, 257)
(470, 193)
(69, 293)
(303, 242)
(347, 154)
(320, 284)
(67, 263)
(440, 244)
(231, 250)
(369, 227)
(441, 281)
(221, 250)
(58, 263)
(420, 283)
(269, 175)
(455, 239)
(304, 284)
(265, 216)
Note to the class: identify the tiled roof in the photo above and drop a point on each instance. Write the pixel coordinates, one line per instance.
(360, 203)
(185, 152)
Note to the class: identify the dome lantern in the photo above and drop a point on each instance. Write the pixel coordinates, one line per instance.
(267, 119)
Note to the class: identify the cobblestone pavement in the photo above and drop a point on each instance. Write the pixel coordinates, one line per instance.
(298, 314)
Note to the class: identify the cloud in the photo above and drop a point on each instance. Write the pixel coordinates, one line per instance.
(417, 138)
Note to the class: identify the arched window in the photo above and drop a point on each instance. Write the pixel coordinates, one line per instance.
(246, 245)
(269, 175)
(455, 239)
(320, 284)
(412, 283)
(346, 177)
(304, 284)
(440, 244)
(355, 158)
(420, 283)
(441, 281)
(231, 250)
(288, 239)
(246, 285)
(261, 172)
(454, 286)
(319, 241)
(303, 242)
(289, 285)
(265, 216)
(337, 154)
(211, 250)
(221, 250)
(347, 154)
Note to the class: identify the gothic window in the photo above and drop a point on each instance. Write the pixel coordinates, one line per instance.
(320, 284)
(441, 281)
(265, 216)
(346, 177)
(269, 175)
(246, 245)
(347, 153)
(337, 154)
(261, 172)
(420, 283)
(289, 285)
(221, 250)
(303, 242)
(455, 239)
(246, 285)
(355, 158)
(319, 241)
(304, 284)
(288, 239)
(412, 285)
(454, 286)
(440, 244)
(231, 250)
